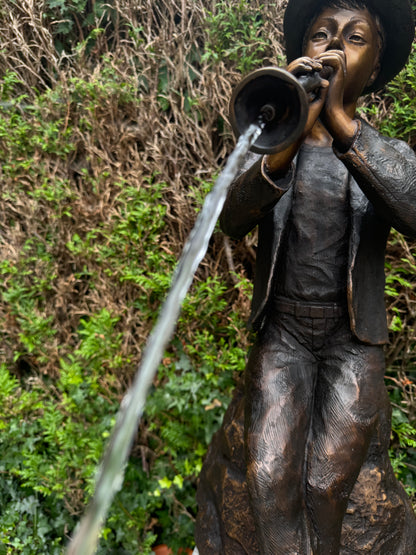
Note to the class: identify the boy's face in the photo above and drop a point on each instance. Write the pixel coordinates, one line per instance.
(355, 33)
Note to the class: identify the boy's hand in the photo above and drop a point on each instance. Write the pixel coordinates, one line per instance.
(334, 115)
(303, 66)
(278, 164)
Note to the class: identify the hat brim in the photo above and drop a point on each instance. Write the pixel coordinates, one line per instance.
(396, 17)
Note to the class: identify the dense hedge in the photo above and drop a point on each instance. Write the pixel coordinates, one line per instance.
(113, 124)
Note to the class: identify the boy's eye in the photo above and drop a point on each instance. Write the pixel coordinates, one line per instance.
(320, 35)
(357, 38)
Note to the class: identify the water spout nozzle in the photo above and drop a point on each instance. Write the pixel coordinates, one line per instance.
(267, 113)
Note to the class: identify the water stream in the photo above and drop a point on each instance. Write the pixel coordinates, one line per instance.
(111, 471)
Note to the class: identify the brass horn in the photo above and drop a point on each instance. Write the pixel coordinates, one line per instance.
(279, 99)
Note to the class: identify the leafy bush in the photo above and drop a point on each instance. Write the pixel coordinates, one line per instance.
(110, 131)
(401, 359)
(76, 22)
(235, 35)
(395, 115)
(65, 369)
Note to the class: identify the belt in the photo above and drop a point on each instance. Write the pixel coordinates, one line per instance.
(309, 310)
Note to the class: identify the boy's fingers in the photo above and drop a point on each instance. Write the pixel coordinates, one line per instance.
(334, 53)
(319, 94)
(304, 65)
(334, 59)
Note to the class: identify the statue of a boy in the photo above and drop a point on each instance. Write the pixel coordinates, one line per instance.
(315, 409)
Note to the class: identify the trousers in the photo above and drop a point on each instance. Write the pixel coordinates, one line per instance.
(313, 396)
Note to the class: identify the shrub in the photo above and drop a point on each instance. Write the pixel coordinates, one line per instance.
(113, 120)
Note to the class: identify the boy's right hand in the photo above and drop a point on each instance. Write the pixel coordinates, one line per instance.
(305, 66)
(278, 164)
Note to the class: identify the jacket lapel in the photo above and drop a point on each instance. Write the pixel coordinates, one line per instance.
(269, 242)
(358, 204)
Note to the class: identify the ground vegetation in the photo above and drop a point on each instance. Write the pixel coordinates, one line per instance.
(113, 125)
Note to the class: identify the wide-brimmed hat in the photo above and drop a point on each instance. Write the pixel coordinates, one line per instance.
(396, 18)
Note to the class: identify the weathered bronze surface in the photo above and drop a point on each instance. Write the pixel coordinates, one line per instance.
(300, 464)
(379, 518)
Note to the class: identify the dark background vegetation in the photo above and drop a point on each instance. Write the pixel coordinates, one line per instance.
(113, 125)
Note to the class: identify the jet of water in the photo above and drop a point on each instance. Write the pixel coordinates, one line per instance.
(111, 471)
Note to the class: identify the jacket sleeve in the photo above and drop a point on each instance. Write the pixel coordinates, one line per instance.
(251, 196)
(385, 170)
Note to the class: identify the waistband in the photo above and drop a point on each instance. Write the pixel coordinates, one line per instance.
(309, 310)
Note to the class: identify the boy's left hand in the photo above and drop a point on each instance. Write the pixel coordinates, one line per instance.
(334, 115)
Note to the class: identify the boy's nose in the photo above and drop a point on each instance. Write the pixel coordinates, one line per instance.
(335, 43)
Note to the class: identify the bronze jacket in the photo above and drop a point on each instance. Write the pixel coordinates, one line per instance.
(382, 186)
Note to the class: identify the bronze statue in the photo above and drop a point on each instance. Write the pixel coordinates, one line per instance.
(300, 464)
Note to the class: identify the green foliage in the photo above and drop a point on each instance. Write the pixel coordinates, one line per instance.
(97, 193)
(400, 281)
(403, 450)
(234, 35)
(24, 294)
(403, 445)
(134, 231)
(53, 443)
(187, 404)
(28, 130)
(54, 427)
(76, 21)
(399, 119)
